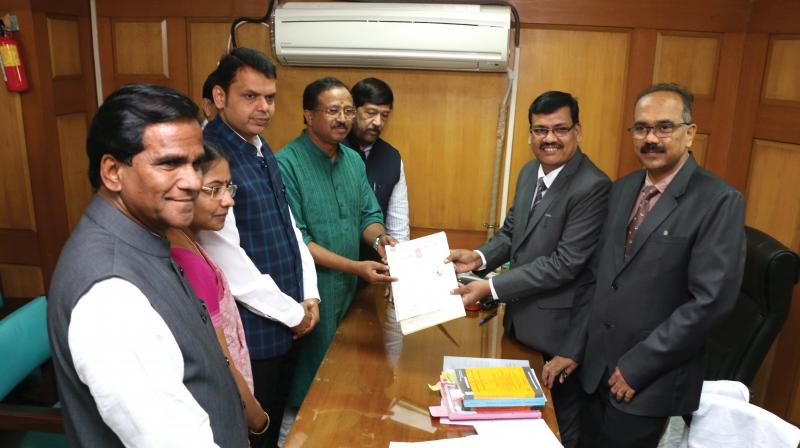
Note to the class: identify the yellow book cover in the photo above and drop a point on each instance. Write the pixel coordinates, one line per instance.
(500, 382)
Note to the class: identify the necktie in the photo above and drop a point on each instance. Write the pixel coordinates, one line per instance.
(642, 208)
(540, 189)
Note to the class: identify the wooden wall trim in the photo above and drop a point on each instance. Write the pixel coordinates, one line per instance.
(778, 123)
(722, 122)
(19, 247)
(737, 165)
(43, 160)
(702, 15)
(774, 16)
(181, 8)
(640, 75)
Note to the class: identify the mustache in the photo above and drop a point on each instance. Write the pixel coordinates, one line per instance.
(652, 148)
(551, 145)
(338, 125)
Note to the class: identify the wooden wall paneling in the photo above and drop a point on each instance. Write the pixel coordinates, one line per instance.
(105, 51)
(254, 35)
(152, 50)
(780, 123)
(594, 73)
(16, 197)
(773, 206)
(723, 121)
(178, 58)
(21, 281)
(443, 123)
(140, 48)
(688, 15)
(782, 79)
(19, 247)
(640, 75)
(64, 40)
(72, 131)
(737, 164)
(180, 8)
(689, 59)
(38, 115)
(774, 16)
(207, 43)
(700, 148)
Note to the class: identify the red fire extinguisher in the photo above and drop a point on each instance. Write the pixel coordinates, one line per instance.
(13, 70)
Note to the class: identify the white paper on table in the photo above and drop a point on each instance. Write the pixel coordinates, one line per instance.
(518, 432)
(465, 362)
(421, 293)
(461, 442)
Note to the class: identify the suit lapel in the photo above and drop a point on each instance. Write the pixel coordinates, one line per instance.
(619, 228)
(663, 208)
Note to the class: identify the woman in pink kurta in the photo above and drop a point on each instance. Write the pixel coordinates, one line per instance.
(209, 283)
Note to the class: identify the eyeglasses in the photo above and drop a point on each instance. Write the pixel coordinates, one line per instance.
(662, 129)
(334, 111)
(558, 131)
(216, 191)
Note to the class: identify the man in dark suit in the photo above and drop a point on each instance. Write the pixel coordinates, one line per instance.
(668, 267)
(548, 236)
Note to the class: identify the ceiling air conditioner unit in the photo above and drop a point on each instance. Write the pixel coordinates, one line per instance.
(393, 35)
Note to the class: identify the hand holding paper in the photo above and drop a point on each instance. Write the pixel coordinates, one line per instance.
(422, 292)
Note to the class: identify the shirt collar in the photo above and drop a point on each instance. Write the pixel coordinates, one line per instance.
(256, 141)
(550, 177)
(662, 185)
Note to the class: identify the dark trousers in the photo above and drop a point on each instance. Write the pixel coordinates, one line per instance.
(568, 400)
(271, 380)
(603, 425)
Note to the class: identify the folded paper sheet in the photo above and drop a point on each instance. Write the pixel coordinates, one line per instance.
(422, 296)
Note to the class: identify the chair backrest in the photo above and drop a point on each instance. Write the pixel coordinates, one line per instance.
(23, 343)
(738, 346)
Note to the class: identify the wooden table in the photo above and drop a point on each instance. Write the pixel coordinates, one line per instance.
(372, 386)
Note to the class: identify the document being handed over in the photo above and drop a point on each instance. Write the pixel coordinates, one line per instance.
(422, 296)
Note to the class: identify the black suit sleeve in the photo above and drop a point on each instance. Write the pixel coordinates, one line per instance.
(715, 272)
(578, 240)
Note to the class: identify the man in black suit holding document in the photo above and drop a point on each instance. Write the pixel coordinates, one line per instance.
(668, 267)
(548, 236)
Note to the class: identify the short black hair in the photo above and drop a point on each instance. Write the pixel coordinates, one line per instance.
(208, 86)
(372, 90)
(686, 96)
(231, 63)
(118, 126)
(211, 155)
(314, 90)
(551, 101)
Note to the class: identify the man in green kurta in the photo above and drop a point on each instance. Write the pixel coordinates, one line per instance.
(335, 208)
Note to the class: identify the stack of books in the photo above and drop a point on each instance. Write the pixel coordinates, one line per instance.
(485, 393)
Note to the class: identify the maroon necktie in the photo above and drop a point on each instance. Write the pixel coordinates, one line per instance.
(642, 208)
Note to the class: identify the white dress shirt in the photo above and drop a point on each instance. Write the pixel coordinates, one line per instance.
(396, 220)
(256, 291)
(128, 358)
(549, 178)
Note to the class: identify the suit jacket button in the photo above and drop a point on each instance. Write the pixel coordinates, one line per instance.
(608, 325)
(614, 286)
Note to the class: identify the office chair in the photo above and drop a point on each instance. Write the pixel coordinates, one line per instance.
(738, 346)
(23, 349)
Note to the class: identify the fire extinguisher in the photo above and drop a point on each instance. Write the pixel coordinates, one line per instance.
(13, 70)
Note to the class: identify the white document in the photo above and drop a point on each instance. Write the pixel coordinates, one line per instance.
(464, 362)
(421, 293)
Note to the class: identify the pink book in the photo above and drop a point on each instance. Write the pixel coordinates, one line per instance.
(452, 409)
